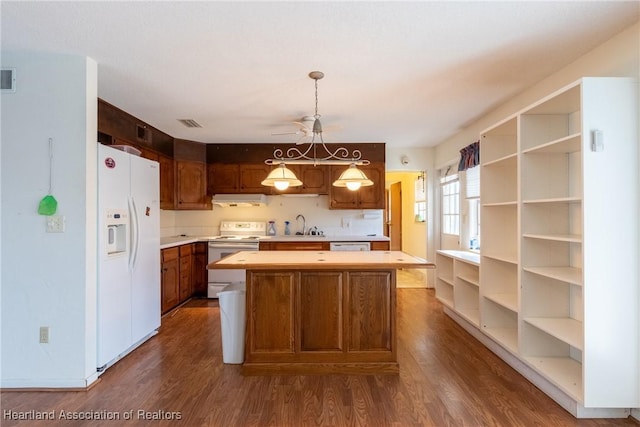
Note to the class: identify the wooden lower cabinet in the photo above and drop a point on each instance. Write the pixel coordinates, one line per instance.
(294, 246)
(186, 260)
(199, 271)
(184, 274)
(320, 322)
(170, 278)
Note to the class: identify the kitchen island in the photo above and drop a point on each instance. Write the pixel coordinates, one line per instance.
(314, 312)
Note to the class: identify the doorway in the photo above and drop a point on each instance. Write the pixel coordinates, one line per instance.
(394, 216)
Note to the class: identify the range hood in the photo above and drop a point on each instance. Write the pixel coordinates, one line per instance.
(239, 200)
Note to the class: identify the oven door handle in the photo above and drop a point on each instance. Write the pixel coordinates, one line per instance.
(238, 246)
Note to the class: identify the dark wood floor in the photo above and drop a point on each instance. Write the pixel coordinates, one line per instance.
(446, 378)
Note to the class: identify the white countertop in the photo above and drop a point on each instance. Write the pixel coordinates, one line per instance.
(319, 260)
(171, 241)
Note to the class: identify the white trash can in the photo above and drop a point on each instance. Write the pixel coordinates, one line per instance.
(232, 322)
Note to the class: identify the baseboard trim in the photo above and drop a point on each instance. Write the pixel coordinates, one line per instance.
(568, 403)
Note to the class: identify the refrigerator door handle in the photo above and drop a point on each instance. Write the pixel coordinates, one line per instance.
(135, 233)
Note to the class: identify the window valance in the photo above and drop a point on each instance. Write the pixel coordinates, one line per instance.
(469, 156)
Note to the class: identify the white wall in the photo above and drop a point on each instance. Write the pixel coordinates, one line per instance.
(618, 57)
(49, 279)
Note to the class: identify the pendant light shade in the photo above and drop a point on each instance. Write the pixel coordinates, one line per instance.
(281, 178)
(352, 178)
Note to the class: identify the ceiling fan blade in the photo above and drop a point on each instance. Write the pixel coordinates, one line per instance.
(287, 133)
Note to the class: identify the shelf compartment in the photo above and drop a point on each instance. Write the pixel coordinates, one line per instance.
(564, 372)
(506, 300)
(466, 300)
(444, 292)
(468, 272)
(500, 323)
(499, 181)
(500, 141)
(506, 160)
(573, 238)
(499, 282)
(550, 253)
(567, 144)
(551, 176)
(469, 279)
(444, 267)
(570, 275)
(499, 232)
(564, 329)
(557, 220)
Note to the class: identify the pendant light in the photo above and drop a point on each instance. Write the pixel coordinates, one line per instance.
(281, 178)
(352, 178)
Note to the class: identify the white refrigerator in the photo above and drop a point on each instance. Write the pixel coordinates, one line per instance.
(128, 251)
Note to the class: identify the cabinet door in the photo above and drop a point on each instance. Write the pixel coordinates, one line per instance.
(191, 185)
(223, 178)
(370, 297)
(270, 325)
(298, 246)
(341, 197)
(251, 176)
(321, 311)
(199, 273)
(167, 185)
(315, 179)
(170, 279)
(372, 197)
(380, 246)
(186, 259)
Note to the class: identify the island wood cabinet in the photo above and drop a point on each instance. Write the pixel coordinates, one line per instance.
(320, 321)
(371, 197)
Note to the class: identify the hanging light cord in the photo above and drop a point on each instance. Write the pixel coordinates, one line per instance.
(50, 164)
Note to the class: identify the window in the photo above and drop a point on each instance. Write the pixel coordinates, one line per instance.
(472, 194)
(450, 190)
(420, 197)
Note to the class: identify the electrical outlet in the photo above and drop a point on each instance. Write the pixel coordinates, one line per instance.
(55, 224)
(44, 335)
(346, 222)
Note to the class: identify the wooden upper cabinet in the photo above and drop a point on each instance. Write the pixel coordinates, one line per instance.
(315, 180)
(251, 176)
(191, 185)
(226, 178)
(167, 184)
(371, 197)
(223, 178)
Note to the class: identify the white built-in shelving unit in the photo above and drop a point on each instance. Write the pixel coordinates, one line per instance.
(559, 291)
(458, 273)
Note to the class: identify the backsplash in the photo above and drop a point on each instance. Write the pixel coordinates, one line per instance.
(332, 222)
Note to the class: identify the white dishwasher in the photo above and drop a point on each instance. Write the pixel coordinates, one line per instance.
(350, 246)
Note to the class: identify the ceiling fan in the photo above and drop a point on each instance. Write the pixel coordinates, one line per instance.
(305, 129)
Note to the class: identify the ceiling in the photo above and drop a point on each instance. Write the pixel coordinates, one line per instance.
(410, 74)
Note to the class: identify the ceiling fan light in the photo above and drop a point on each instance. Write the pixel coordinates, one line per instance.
(352, 178)
(281, 178)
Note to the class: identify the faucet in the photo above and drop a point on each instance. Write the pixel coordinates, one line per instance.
(304, 223)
